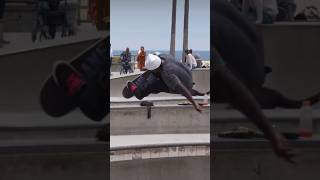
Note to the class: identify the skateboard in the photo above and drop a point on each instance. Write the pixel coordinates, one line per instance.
(93, 96)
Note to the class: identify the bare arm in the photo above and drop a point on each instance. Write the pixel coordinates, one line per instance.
(186, 93)
(242, 98)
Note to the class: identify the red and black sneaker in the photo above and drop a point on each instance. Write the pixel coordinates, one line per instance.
(129, 90)
(132, 86)
(66, 77)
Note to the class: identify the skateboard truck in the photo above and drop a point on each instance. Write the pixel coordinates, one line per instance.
(148, 104)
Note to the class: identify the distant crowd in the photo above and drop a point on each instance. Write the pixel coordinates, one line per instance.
(269, 11)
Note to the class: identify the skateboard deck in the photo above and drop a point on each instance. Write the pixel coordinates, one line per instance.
(53, 99)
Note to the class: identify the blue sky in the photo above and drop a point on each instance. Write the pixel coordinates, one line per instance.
(148, 23)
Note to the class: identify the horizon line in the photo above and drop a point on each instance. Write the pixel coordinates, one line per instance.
(163, 50)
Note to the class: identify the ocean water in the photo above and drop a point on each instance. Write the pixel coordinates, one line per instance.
(205, 55)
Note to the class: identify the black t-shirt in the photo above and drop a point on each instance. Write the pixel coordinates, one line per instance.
(172, 72)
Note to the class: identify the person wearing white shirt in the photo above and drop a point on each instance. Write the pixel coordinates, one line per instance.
(190, 60)
(111, 52)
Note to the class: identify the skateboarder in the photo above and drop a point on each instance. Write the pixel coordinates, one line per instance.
(164, 74)
(235, 38)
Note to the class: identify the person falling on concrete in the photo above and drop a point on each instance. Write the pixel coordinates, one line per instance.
(164, 74)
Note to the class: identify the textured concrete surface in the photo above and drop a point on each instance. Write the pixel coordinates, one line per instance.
(165, 156)
(186, 168)
(132, 119)
(254, 159)
(54, 159)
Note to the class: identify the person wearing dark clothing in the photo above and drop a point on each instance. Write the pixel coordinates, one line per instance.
(164, 74)
(238, 69)
(125, 57)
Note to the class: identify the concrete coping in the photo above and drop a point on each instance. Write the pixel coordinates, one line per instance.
(117, 76)
(160, 106)
(279, 114)
(154, 98)
(45, 146)
(292, 24)
(260, 143)
(10, 49)
(39, 120)
(155, 146)
(122, 142)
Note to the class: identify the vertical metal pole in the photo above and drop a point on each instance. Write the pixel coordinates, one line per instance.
(185, 28)
(173, 28)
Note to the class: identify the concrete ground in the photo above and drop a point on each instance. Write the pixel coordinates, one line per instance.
(165, 156)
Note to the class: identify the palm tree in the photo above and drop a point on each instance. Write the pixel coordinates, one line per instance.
(185, 28)
(173, 28)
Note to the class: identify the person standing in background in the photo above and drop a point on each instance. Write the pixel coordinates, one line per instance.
(191, 62)
(141, 58)
(125, 57)
(98, 12)
(260, 11)
(111, 56)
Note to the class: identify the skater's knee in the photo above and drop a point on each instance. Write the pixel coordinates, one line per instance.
(196, 93)
(139, 96)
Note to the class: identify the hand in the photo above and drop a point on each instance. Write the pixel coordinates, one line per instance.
(282, 149)
(198, 108)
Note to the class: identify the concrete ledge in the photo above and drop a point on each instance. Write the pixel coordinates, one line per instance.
(186, 168)
(140, 147)
(256, 143)
(291, 24)
(156, 100)
(29, 126)
(127, 142)
(28, 46)
(165, 119)
(284, 119)
(80, 159)
(45, 146)
(158, 157)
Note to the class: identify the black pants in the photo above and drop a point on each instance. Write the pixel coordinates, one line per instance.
(147, 83)
(94, 98)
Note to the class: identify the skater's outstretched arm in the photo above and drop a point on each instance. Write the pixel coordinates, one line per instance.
(241, 97)
(186, 93)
